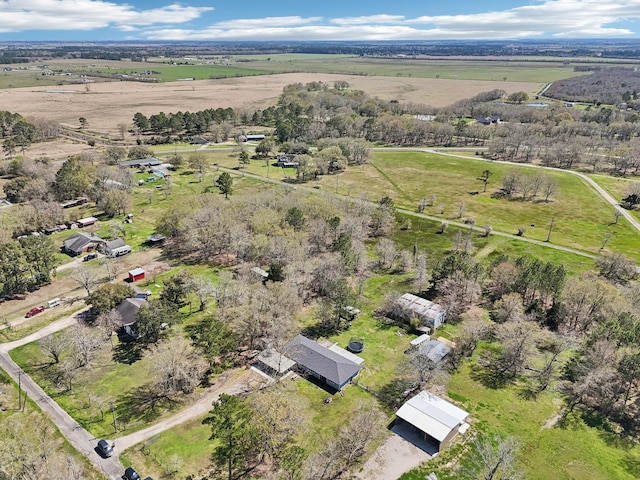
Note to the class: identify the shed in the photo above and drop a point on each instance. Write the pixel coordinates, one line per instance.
(433, 417)
(87, 221)
(434, 350)
(136, 274)
(430, 313)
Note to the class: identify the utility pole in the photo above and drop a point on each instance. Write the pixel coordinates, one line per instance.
(19, 390)
(550, 228)
(113, 412)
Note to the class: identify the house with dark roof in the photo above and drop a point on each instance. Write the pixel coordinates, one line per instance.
(128, 311)
(81, 242)
(140, 162)
(327, 365)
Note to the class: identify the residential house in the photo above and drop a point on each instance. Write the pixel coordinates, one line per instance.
(140, 162)
(287, 161)
(113, 247)
(81, 242)
(87, 221)
(491, 120)
(430, 313)
(128, 311)
(327, 365)
(433, 418)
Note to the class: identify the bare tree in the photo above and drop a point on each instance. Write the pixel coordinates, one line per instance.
(387, 252)
(54, 346)
(494, 459)
(85, 342)
(86, 278)
(177, 367)
(109, 322)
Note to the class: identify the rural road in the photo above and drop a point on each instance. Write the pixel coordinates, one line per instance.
(410, 212)
(232, 382)
(81, 440)
(603, 193)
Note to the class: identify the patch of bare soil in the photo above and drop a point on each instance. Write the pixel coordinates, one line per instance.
(393, 458)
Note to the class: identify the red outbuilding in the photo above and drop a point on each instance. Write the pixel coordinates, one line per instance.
(136, 274)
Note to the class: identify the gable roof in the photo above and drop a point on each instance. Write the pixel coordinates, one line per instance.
(77, 241)
(326, 363)
(113, 244)
(421, 306)
(433, 415)
(128, 309)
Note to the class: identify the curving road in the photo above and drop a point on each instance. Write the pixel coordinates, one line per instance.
(603, 193)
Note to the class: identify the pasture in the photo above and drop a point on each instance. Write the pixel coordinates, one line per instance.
(581, 218)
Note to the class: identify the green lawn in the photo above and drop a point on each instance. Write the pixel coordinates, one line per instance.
(575, 451)
(582, 220)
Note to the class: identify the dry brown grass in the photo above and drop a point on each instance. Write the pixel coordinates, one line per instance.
(111, 103)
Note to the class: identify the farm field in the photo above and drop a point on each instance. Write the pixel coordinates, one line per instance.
(108, 104)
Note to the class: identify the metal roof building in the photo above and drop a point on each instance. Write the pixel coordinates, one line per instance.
(434, 417)
(429, 312)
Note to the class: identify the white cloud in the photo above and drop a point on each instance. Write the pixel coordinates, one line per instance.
(20, 15)
(249, 23)
(567, 18)
(366, 20)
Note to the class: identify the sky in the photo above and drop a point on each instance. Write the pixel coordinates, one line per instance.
(324, 20)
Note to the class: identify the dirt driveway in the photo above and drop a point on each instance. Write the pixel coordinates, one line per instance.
(393, 458)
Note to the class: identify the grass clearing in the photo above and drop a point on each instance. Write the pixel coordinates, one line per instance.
(547, 453)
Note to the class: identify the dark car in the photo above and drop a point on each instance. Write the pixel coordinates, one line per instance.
(91, 256)
(104, 448)
(34, 311)
(131, 474)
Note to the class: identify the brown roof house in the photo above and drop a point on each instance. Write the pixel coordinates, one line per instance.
(81, 242)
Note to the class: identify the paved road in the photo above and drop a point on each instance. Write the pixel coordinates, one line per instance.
(81, 439)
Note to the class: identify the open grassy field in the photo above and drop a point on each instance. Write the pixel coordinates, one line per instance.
(582, 219)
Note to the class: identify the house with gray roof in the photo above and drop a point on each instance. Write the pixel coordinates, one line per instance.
(128, 311)
(81, 242)
(327, 365)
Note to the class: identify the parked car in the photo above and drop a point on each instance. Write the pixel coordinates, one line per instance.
(91, 256)
(34, 311)
(131, 474)
(105, 449)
